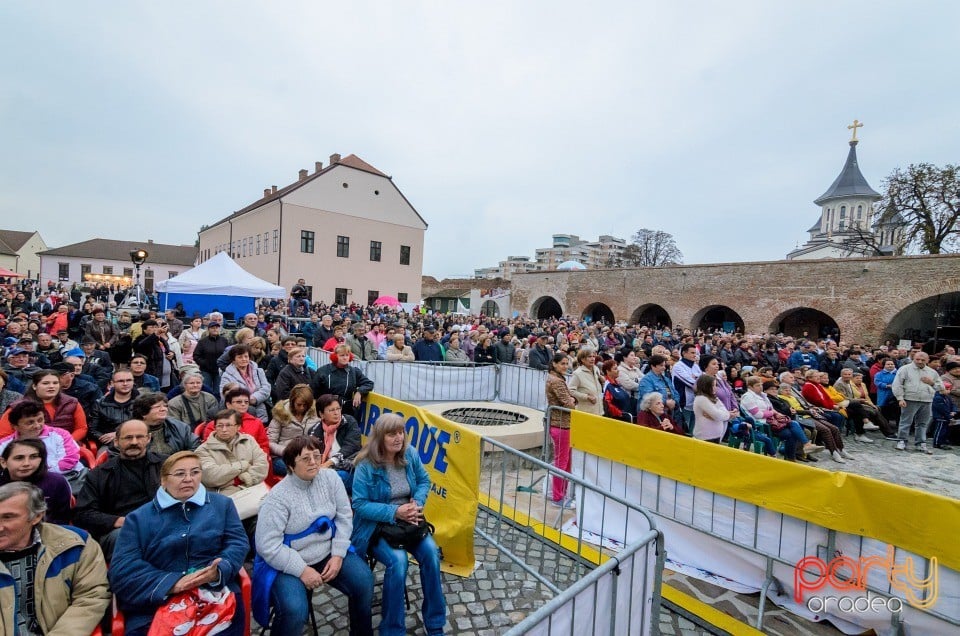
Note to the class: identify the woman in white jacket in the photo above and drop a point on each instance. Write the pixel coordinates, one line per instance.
(710, 416)
(243, 372)
(585, 383)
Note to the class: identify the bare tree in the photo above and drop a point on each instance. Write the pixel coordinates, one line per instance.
(651, 248)
(927, 198)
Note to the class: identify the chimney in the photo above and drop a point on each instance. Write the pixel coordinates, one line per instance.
(266, 192)
(273, 189)
(334, 158)
(318, 165)
(303, 175)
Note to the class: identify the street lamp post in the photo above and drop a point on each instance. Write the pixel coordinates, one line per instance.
(138, 257)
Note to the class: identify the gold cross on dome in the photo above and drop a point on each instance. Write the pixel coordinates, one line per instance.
(856, 124)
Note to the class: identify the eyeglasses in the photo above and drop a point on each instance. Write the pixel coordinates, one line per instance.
(224, 425)
(183, 474)
(312, 458)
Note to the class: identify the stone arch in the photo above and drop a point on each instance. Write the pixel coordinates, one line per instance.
(598, 312)
(932, 321)
(546, 307)
(651, 315)
(716, 316)
(793, 322)
(490, 308)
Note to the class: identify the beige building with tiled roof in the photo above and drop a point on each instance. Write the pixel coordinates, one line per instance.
(346, 229)
(19, 252)
(107, 260)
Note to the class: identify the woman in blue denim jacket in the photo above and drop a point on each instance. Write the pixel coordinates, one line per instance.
(390, 484)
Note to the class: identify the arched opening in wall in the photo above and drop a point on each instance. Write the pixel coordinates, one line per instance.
(932, 322)
(717, 317)
(546, 307)
(490, 309)
(651, 315)
(598, 312)
(804, 320)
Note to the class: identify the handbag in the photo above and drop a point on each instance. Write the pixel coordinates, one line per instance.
(778, 422)
(403, 535)
(197, 612)
(247, 500)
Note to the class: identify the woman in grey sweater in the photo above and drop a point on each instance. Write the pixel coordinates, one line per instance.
(303, 532)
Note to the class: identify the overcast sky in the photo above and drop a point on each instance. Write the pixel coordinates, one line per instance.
(503, 123)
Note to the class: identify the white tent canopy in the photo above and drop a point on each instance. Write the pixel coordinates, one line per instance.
(221, 276)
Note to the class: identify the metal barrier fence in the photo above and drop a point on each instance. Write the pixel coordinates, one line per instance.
(777, 540)
(604, 588)
(452, 381)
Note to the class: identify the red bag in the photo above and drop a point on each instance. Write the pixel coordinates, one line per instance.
(196, 612)
(778, 422)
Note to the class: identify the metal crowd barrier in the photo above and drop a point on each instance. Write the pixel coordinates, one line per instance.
(604, 588)
(778, 539)
(452, 381)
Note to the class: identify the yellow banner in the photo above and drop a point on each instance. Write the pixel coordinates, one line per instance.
(451, 455)
(910, 519)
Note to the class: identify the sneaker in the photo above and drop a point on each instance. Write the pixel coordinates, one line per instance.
(864, 439)
(870, 426)
(901, 445)
(845, 454)
(943, 446)
(810, 448)
(812, 459)
(891, 438)
(837, 457)
(924, 449)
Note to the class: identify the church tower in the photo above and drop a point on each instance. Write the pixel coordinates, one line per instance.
(846, 213)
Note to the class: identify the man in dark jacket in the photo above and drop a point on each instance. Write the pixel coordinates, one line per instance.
(96, 363)
(504, 352)
(342, 380)
(540, 355)
(120, 486)
(427, 349)
(113, 409)
(209, 348)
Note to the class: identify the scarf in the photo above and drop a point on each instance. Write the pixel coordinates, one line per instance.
(248, 378)
(329, 439)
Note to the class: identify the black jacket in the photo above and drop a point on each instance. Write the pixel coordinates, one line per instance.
(105, 496)
(342, 382)
(107, 415)
(179, 436)
(206, 354)
(288, 378)
(348, 437)
(85, 389)
(540, 358)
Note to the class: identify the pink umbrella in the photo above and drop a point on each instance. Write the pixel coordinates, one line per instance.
(390, 301)
(6, 273)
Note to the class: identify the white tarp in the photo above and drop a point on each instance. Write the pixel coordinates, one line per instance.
(220, 276)
(689, 516)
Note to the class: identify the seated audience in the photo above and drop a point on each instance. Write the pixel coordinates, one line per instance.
(246, 374)
(391, 486)
(193, 405)
(295, 372)
(113, 409)
(114, 489)
(231, 460)
(183, 539)
(339, 437)
(303, 538)
(237, 398)
(167, 435)
(26, 460)
(652, 413)
(60, 410)
(616, 399)
(55, 577)
(292, 418)
(27, 420)
(399, 351)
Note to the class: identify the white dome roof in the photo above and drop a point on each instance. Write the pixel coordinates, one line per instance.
(571, 265)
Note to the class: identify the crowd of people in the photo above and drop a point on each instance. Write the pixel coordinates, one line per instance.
(179, 449)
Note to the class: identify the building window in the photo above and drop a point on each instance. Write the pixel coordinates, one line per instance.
(250, 243)
(306, 241)
(63, 272)
(84, 270)
(258, 245)
(404, 254)
(375, 249)
(276, 240)
(843, 211)
(148, 281)
(243, 251)
(372, 295)
(171, 274)
(859, 211)
(842, 224)
(108, 269)
(128, 272)
(402, 297)
(343, 247)
(340, 296)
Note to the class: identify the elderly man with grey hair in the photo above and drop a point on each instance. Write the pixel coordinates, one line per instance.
(63, 566)
(914, 387)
